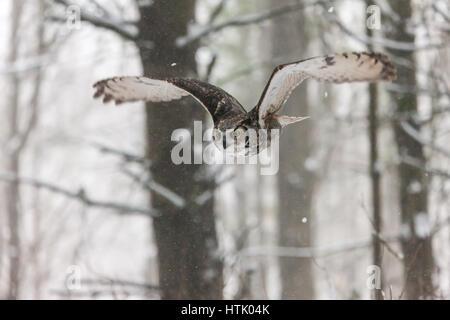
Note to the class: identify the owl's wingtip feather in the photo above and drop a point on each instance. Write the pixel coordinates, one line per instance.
(388, 71)
(99, 87)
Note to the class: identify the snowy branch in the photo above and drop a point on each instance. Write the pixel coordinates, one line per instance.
(159, 189)
(79, 195)
(246, 20)
(444, 14)
(322, 252)
(304, 252)
(208, 194)
(416, 135)
(149, 184)
(173, 197)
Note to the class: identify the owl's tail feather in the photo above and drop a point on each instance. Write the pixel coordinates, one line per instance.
(286, 120)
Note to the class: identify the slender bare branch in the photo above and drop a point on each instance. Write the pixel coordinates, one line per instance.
(309, 252)
(217, 11)
(386, 244)
(414, 90)
(119, 282)
(386, 43)
(122, 28)
(125, 155)
(420, 165)
(79, 195)
(142, 179)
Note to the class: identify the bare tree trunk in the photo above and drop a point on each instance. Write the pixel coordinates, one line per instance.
(35, 250)
(189, 266)
(294, 181)
(12, 196)
(375, 175)
(416, 245)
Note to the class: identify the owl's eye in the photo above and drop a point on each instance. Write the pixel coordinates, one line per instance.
(238, 133)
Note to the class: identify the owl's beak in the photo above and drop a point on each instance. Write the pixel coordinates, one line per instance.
(286, 120)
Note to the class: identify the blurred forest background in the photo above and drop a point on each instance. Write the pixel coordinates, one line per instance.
(92, 206)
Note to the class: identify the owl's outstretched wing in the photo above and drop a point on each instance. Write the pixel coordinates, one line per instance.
(337, 68)
(216, 101)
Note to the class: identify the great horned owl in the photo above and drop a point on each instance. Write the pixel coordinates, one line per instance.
(231, 122)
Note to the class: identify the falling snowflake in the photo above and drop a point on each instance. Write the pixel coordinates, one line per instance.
(312, 164)
(294, 178)
(304, 220)
(414, 187)
(405, 231)
(173, 64)
(331, 9)
(209, 274)
(378, 167)
(422, 225)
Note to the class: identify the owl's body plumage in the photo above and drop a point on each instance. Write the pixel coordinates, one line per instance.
(231, 121)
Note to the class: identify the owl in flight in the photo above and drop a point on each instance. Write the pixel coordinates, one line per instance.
(232, 124)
